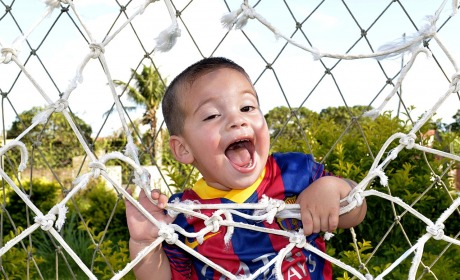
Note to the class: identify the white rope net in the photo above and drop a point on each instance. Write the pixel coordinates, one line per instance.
(53, 221)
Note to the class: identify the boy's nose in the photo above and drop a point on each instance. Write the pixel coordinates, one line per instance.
(237, 122)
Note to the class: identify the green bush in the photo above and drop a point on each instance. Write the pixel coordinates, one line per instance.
(97, 203)
(45, 195)
(409, 176)
(14, 262)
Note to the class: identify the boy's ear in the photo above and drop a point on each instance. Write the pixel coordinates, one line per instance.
(180, 150)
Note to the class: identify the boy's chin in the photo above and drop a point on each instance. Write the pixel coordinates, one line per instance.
(245, 180)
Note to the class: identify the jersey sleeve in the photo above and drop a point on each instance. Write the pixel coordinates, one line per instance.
(318, 171)
(298, 171)
(179, 260)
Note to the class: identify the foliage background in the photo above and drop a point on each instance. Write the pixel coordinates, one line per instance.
(409, 176)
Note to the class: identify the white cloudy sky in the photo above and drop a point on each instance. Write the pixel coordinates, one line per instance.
(330, 28)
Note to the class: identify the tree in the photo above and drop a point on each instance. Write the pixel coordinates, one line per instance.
(341, 115)
(56, 140)
(148, 91)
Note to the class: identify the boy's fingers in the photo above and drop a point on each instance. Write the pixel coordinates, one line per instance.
(324, 224)
(156, 194)
(316, 227)
(162, 200)
(334, 220)
(307, 222)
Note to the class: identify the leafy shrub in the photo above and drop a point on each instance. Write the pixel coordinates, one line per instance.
(45, 195)
(410, 174)
(14, 261)
(97, 203)
(115, 254)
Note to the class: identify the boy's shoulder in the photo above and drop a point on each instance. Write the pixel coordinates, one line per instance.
(294, 167)
(292, 158)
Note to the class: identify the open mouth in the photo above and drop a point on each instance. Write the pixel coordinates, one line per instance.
(241, 153)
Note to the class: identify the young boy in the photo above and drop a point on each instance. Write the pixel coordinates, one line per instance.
(212, 113)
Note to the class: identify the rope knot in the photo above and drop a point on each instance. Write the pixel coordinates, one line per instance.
(274, 206)
(455, 77)
(142, 180)
(408, 140)
(59, 105)
(167, 232)
(214, 220)
(7, 54)
(97, 49)
(298, 238)
(436, 231)
(96, 168)
(54, 4)
(355, 194)
(248, 11)
(46, 222)
(455, 81)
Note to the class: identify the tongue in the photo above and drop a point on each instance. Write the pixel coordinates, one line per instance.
(239, 156)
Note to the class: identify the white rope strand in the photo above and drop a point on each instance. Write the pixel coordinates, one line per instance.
(22, 148)
(168, 37)
(375, 112)
(72, 254)
(8, 245)
(140, 11)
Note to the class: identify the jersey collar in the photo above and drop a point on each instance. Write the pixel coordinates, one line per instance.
(204, 191)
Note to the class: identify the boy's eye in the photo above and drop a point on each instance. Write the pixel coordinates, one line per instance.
(210, 117)
(247, 108)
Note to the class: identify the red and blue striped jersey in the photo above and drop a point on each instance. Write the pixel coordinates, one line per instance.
(285, 176)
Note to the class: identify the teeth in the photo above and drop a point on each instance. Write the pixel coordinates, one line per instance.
(249, 164)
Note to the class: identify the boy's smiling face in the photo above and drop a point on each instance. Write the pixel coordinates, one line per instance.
(225, 134)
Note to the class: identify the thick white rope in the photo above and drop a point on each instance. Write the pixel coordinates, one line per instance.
(168, 37)
(130, 150)
(376, 112)
(8, 245)
(140, 11)
(72, 254)
(22, 148)
(247, 12)
(137, 259)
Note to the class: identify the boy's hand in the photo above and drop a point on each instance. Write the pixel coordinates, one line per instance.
(320, 204)
(141, 230)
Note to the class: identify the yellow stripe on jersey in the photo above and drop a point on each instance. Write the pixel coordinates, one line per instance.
(238, 196)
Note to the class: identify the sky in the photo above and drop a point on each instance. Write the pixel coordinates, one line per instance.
(330, 28)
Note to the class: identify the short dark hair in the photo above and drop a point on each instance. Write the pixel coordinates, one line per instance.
(173, 112)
